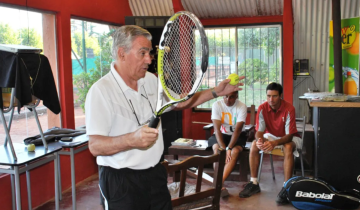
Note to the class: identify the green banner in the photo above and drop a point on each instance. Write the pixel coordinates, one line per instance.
(350, 56)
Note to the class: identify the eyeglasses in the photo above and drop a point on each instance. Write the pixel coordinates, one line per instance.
(133, 109)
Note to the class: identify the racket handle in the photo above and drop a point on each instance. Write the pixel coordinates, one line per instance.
(154, 121)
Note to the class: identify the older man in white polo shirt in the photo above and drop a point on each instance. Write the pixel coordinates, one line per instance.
(118, 107)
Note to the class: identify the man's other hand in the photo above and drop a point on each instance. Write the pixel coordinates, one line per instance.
(268, 146)
(228, 156)
(224, 88)
(259, 143)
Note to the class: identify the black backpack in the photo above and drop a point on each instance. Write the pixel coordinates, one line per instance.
(315, 194)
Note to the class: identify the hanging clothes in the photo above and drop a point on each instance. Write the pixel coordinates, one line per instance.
(15, 72)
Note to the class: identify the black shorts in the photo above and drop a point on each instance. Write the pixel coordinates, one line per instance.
(135, 189)
(241, 141)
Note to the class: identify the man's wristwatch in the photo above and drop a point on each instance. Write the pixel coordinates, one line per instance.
(229, 148)
(213, 93)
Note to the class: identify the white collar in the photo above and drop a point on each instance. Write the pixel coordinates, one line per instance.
(122, 83)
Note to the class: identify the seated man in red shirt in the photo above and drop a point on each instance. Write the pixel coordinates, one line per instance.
(275, 128)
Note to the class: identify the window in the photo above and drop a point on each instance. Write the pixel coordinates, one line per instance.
(91, 58)
(254, 52)
(28, 28)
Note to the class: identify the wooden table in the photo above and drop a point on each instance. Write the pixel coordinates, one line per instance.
(201, 148)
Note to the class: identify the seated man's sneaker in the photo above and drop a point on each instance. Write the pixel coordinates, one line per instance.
(224, 193)
(249, 190)
(282, 197)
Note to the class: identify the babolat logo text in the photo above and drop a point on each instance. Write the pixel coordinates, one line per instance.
(314, 195)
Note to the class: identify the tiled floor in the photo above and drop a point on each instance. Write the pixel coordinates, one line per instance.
(87, 193)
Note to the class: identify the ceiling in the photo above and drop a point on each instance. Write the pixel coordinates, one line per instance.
(233, 8)
(209, 8)
(151, 7)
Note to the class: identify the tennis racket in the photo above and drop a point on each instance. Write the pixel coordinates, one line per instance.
(182, 61)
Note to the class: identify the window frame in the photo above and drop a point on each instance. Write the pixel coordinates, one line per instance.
(94, 21)
(48, 18)
(281, 54)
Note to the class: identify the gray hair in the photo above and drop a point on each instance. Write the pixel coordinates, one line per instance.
(125, 35)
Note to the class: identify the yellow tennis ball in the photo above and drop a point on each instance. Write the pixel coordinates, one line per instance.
(234, 79)
(31, 147)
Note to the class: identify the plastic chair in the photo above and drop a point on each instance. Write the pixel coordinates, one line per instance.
(279, 152)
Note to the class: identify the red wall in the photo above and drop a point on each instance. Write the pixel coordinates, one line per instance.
(114, 11)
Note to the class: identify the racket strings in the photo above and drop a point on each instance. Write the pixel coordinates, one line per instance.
(180, 64)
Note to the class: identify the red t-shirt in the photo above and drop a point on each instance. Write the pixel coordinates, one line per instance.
(279, 123)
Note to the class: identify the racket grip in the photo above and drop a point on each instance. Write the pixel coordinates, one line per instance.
(154, 121)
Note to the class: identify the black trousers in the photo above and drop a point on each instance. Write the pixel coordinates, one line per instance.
(135, 189)
(241, 141)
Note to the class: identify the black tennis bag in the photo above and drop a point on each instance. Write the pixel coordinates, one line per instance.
(314, 194)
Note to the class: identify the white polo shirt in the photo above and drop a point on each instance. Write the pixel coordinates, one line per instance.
(108, 113)
(229, 115)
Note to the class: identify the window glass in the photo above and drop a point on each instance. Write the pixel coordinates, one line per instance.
(91, 58)
(254, 52)
(23, 27)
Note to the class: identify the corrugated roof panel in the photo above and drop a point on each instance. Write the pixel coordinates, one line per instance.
(227, 8)
(253, 6)
(157, 8)
(133, 7)
(200, 10)
(238, 9)
(151, 8)
(163, 8)
(233, 8)
(140, 6)
(147, 8)
(245, 8)
(262, 7)
(220, 10)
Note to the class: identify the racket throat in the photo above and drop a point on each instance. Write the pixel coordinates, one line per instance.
(154, 121)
